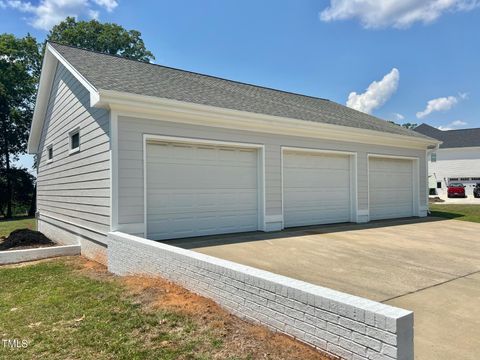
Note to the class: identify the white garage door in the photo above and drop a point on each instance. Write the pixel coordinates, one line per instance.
(195, 190)
(316, 188)
(391, 188)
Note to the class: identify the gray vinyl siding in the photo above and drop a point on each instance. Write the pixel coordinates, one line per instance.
(131, 130)
(75, 188)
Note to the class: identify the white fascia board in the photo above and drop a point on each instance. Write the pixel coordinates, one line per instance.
(91, 89)
(44, 87)
(50, 61)
(179, 111)
(468, 148)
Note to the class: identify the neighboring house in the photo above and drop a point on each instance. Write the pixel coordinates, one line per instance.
(164, 153)
(457, 159)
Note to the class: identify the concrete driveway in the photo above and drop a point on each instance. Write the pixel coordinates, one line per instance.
(430, 266)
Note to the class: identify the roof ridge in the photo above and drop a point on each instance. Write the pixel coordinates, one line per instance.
(191, 72)
(477, 128)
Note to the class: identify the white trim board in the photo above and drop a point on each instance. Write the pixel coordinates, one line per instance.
(152, 138)
(153, 108)
(114, 191)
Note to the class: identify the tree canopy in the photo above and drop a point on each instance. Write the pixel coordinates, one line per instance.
(22, 191)
(107, 38)
(407, 125)
(19, 71)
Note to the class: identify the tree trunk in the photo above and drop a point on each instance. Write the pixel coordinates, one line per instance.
(9, 214)
(33, 203)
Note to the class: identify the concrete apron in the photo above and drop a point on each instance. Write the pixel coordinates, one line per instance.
(430, 266)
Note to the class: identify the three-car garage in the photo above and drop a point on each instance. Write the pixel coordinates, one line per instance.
(197, 187)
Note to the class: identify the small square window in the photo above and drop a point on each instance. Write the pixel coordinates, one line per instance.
(433, 157)
(50, 153)
(74, 141)
(439, 184)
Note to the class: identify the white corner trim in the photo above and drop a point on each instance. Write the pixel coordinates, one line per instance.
(151, 139)
(114, 192)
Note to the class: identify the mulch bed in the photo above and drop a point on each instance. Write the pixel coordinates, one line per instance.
(25, 239)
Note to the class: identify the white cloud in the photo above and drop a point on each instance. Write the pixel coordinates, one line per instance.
(453, 125)
(2, 4)
(441, 104)
(377, 93)
(48, 13)
(109, 5)
(398, 116)
(395, 13)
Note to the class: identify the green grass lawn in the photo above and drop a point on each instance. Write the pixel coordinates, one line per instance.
(7, 226)
(63, 314)
(457, 211)
(67, 309)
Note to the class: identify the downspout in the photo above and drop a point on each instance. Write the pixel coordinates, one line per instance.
(428, 152)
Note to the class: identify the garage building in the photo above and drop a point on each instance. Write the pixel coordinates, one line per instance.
(166, 153)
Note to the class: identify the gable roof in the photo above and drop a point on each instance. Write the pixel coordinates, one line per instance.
(101, 72)
(452, 138)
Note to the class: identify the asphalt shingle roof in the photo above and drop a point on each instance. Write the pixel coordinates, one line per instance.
(109, 72)
(452, 138)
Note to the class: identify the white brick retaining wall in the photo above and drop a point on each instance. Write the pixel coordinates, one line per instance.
(348, 326)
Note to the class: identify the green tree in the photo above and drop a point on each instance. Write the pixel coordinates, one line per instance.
(19, 71)
(410, 125)
(21, 194)
(107, 38)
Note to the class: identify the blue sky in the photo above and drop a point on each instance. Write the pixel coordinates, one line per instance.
(426, 51)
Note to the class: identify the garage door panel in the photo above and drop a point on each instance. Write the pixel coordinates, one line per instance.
(316, 188)
(390, 188)
(179, 225)
(297, 178)
(235, 199)
(179, 176)
(200, 190)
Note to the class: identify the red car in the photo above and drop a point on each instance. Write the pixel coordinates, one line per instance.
(456, 190)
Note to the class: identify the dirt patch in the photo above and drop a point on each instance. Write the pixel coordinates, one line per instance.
(25, 239)
(435, 200)
(238, 338)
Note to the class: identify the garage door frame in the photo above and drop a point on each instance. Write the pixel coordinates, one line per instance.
(152, 138)
(415, 178)
(353, 176)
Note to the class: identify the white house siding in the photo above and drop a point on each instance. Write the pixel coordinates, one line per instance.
(130, 160)
(455, 163)
(74, 190)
